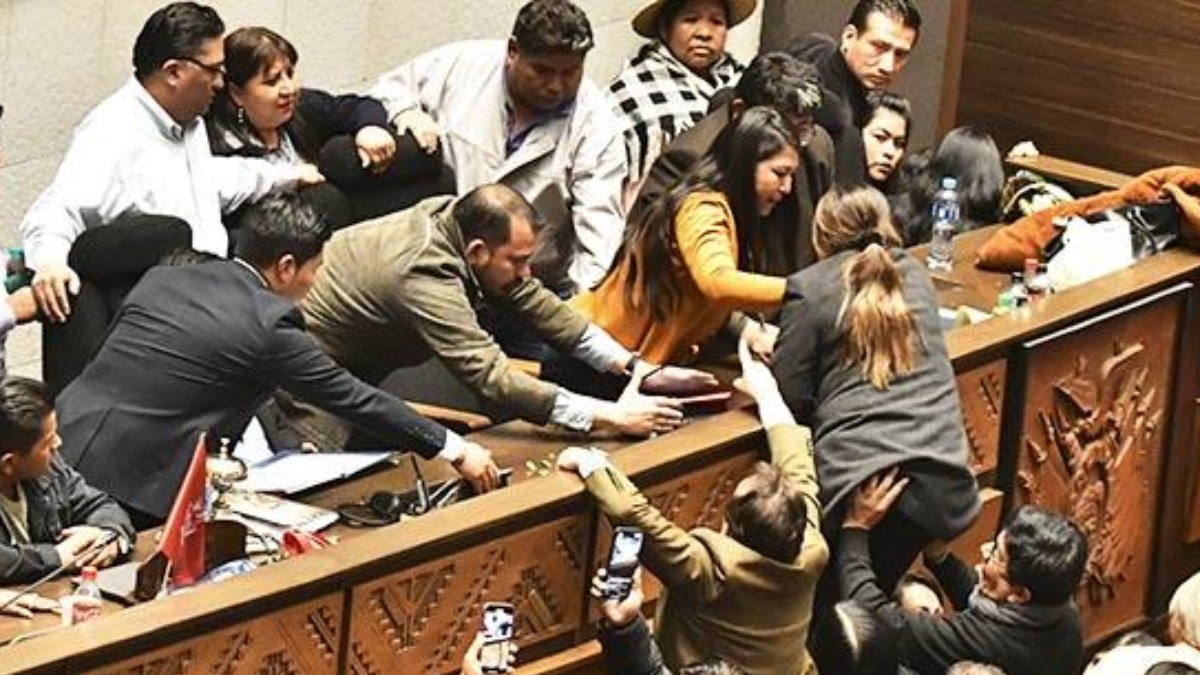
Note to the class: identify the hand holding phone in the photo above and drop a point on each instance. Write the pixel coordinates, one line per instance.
(622, 562)
(499, 627)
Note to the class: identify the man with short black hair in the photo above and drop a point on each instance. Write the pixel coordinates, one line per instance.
(139, 164)
(745, 595)
(198, 348)
(1017, 611)
(873, 48)
(402, 289)
(49, 516)
(523, 114)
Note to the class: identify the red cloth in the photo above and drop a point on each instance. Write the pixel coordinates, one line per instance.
(183, 535)
(1008, 248)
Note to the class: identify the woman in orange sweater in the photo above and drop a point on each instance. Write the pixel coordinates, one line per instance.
(690, 263)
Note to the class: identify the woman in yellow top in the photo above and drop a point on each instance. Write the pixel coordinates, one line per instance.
(690, 262)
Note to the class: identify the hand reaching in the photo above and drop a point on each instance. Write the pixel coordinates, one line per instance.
(874, 499)
(676, 381)
(424, 128)
(478, 468)
(53, 286)
(621, 612)
(376, 147)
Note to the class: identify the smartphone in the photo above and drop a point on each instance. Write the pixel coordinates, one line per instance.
(622, 562)
(499, 626)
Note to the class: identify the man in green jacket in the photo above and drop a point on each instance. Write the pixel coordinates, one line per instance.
(744, 594)
(402, 289)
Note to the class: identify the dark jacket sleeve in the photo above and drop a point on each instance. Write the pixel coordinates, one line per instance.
(956, 579)
(20, 564)
(345, 114)
(796, 357)
(86, 505)
(924, 642)
(857, 581)
(297, 364)
(630, 650)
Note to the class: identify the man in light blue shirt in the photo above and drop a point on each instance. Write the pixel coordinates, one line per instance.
(144, 151)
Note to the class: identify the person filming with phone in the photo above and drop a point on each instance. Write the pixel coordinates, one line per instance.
(50, 518)
(744, 594)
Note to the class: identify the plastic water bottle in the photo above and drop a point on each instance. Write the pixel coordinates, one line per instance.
(945, 211)
(85, 603)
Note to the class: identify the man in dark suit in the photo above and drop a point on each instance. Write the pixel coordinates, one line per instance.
(873, 48)
(199, 348)
(780, 81)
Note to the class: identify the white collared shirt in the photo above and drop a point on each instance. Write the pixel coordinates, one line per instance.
(130, 156)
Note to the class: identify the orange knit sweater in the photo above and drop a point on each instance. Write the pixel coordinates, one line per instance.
(705, 264)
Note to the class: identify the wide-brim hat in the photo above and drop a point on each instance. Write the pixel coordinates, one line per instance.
(645, 22)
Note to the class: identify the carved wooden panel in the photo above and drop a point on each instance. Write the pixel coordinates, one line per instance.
(692, 500)
(295, 641)
(981, 391)
(422, 619)
(1092, 439)
(966, 545)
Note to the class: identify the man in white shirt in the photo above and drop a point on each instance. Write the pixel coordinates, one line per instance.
(522, 114)
(144, 151)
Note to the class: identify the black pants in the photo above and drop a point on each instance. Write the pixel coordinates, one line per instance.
(109, 261)
(414, 175)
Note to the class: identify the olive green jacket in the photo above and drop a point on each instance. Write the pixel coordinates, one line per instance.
(396, 291)
(722, 598)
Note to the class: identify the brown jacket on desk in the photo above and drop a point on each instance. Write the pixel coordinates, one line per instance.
(397, 291)
(1012, 244)
(722, 598)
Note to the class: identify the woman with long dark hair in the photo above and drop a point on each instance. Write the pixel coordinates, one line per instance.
(264, 112)
(966, 154)
(696, 255)
(861, 359)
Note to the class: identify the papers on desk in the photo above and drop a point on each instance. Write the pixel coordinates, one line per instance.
(292, 472)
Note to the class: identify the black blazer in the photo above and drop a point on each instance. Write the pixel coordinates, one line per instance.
(199, 348)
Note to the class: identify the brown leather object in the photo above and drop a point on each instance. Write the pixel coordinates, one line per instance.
(1008, 248)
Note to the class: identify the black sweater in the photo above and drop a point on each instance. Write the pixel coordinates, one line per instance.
(1025, 639)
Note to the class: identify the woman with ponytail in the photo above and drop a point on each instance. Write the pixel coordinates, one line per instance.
(861, 359)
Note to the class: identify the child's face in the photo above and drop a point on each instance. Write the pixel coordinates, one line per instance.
(36, 462)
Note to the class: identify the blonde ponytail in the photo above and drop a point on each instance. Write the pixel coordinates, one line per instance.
(880, 333)
(880, 330)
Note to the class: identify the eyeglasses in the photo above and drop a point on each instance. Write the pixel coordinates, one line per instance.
(217, 70)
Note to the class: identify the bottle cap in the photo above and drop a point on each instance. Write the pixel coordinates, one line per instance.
(88, 573)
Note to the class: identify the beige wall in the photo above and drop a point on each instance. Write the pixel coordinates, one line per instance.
(58, 58)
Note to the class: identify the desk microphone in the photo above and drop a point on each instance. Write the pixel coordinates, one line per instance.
(422, 489)
(109, 537)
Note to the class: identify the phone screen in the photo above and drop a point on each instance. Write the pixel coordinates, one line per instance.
(499, 622)
(622, 561)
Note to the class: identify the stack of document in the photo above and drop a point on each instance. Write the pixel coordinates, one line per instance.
(291, 472)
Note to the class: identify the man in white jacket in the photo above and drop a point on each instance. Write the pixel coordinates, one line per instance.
(522, 114)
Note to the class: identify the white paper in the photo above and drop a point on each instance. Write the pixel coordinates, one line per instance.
(291, 472)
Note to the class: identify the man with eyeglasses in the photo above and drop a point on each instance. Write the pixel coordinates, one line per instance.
(1015, 610)
(138, 179)
(874, 47)
(792, 87)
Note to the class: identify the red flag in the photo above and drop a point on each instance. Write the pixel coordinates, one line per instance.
(183, 535)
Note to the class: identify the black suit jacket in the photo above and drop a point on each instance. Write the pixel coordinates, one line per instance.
(844, 108)
(199, 348)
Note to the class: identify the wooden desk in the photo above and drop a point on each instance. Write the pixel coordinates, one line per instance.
(1044, 392)
(1073, 173)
